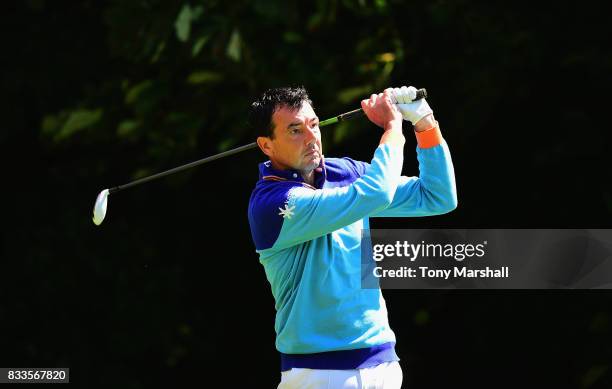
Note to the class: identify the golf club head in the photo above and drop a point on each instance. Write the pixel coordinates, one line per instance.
(99, 210)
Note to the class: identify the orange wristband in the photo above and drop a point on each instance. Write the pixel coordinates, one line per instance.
(429, 138)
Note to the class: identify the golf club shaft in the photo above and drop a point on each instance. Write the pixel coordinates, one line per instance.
(183, 167)
(421, 93)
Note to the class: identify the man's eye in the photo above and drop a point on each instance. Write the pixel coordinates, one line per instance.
(294, 130)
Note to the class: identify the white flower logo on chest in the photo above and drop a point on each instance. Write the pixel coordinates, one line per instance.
(287, 212)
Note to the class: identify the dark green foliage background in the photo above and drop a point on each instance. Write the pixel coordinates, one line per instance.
(169, 290)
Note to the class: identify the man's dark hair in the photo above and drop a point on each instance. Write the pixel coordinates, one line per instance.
(262, 109)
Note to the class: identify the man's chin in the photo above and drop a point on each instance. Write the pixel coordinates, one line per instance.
(311, 164)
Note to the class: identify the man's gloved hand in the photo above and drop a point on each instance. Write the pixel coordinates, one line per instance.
(412, 111)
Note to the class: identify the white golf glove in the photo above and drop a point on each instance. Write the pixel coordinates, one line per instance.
(412, 111)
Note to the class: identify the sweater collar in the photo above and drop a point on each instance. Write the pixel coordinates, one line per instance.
(268, 172)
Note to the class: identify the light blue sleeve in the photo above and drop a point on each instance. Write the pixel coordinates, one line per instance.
(311, 213)
(433, 192)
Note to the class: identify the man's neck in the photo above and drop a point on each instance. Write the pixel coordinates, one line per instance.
(309, 177)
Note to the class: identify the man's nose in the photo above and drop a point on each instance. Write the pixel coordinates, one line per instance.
(311, 134)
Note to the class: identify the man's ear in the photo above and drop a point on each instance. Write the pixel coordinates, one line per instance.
(265, 145)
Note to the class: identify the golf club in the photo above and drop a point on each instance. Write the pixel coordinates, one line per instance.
(99, 210)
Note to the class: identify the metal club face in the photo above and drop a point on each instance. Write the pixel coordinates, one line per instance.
(99, 210)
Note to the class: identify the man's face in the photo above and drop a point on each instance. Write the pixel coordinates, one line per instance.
(297, 139)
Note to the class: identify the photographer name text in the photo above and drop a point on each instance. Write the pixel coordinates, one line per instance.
(455, 272)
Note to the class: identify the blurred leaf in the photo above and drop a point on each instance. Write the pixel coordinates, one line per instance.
(177, 117)
(315, 21)
(79, 120)
(127, 128)
(233, 47)
(351, 94)
(50, 123)
(380, 4)
(183, 23)
(292, 37)
(196, 12)
(386, 57)
(593, 375)
(382, 78)
(340, 132)
(136, 90)
(226, 144)
(367, 67)
(197, 46)
(203, 76)
(160, 48)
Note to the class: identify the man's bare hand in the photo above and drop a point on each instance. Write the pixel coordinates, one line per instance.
(379, 108)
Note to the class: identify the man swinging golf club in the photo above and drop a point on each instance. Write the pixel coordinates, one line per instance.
(306, 215)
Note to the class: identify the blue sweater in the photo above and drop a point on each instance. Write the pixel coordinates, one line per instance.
(309, 241)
